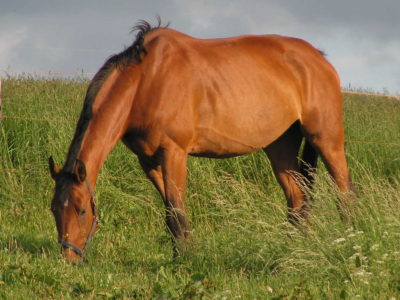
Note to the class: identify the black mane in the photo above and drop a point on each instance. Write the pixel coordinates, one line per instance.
(132, 54)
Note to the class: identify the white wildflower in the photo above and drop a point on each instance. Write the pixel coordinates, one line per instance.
(354, 255)
(339, 240)
(359, 273)
(270, 289)
(360, 232)
(349, 229)
(374, 247)
(356, 247)
(362, 273)
(351, 235)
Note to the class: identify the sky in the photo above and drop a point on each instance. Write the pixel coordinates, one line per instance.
(360, 37)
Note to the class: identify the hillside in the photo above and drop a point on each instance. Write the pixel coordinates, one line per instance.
(243, 245)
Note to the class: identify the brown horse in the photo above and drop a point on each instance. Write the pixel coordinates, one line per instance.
(169, 95)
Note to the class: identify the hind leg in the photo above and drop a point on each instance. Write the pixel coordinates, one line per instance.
(308, 164)
(328, 140)
(283, 156)
(334, 158)
(326, 134)
(333, 155)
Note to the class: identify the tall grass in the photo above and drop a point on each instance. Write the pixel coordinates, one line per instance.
(243, 247)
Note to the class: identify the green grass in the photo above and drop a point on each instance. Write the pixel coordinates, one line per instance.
(243, 247)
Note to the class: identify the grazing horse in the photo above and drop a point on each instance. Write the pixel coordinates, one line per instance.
(169, 95)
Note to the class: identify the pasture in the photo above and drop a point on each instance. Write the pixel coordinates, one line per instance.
(243, 246)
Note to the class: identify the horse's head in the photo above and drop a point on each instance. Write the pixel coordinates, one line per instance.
(74, 210)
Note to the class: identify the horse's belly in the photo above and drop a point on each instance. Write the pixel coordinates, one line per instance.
(228, 128)
(214, 142)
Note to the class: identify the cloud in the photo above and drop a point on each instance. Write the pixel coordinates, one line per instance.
(208, 18)
(9, 41)
(361, 37)
(72, 35)
(377, 20)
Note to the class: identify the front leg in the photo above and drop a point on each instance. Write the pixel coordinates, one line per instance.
(174, 169)
(167, 171)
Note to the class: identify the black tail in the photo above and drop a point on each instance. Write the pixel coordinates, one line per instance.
(308, 164)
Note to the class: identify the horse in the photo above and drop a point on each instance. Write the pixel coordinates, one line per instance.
(169, 95)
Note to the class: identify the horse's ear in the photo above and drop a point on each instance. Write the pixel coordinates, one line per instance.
(80, 170)
(54, 169)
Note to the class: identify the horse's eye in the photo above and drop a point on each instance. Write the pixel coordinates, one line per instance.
(82, 212)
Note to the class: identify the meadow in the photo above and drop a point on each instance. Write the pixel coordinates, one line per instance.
(243, 246)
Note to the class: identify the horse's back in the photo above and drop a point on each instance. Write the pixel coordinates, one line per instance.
(232, 95)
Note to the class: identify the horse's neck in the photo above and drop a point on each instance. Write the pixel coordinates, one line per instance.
(106, 128)
(97, 144)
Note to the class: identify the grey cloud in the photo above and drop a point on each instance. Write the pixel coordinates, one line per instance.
(75, 35)
(377, 19)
